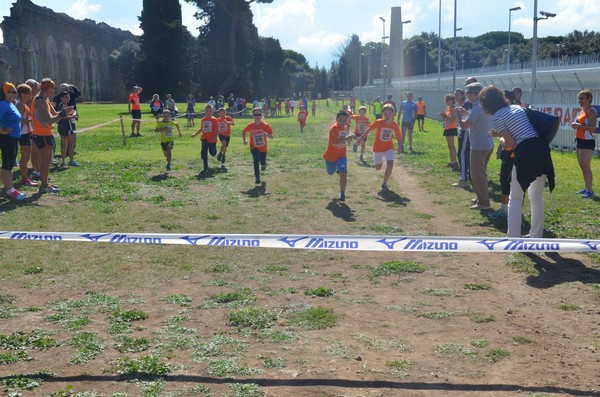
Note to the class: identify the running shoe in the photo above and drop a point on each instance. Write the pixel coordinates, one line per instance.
(361, 159)
(588, 194)
(461, 184)
(223, 159)
(498, 215)
(16, 195)
(219, 156)
(480, 207)
(384, 187)
(582, 191)
(168, 167)
(28, 182)
(354, 147)
(342, 196)
(257, 181)
(49, 189)
(73, 163)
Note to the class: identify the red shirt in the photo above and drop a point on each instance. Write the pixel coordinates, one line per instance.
(258, 140)
(383, 137)
(362, 123)
(335, 151)
(134, 100)
(224, 126)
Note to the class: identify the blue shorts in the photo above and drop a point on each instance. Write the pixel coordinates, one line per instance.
(340, 165)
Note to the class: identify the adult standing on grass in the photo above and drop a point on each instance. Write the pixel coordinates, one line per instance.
(259, 131)
(136, 111)
(409, 111)
(43, 118)
(190, 113)
(421, 111)
(74, 93)
(450, 118)
(225, 123)
(24, 92)
(383, 145)
(335, 155)
(482, 146)
(584, 127)
(10, 132)
(66, 130)
(533, 163)
(165, 127)
(170, 105)
(156, 106)
(209, 128)
(35, 153)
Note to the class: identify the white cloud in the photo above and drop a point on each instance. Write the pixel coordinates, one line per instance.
(187, 17)
(278, 17)
(81, 9)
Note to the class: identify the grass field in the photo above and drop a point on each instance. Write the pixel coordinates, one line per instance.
(94, 320)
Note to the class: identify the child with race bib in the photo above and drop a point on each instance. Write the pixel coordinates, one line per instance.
(165, 127)
(259, 131)
(335, 155)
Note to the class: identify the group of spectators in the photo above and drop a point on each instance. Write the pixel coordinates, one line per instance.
(27, 113)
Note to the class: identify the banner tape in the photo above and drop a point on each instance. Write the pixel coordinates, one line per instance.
(323, 242)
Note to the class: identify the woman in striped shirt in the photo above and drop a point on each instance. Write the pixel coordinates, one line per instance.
(533, 164)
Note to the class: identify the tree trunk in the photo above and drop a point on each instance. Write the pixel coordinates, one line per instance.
(233, 72)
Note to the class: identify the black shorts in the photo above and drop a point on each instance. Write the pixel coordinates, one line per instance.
(589, 144)
(9, 145)
(358, 135)
(25, 140)
(420, 117)
(225, 139)
(451, 132)
(136, 114)
(167, 145)
(41, 141)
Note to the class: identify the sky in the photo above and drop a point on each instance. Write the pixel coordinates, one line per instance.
(319, 28)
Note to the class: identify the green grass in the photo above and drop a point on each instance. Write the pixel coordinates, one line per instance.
(313, 318)
(319, 291)
(569, 307)
(252, 317)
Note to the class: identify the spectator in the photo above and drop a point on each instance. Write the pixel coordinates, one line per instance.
(156, 107)
(24, 91)
(135, 110)
(584, 127)
(170, 105)
(10, 132)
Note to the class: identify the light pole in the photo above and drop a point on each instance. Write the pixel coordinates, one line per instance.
(544, 15)
(454, 56)
(558, 55)
(427, 43)
(402, 53)
(360, 74)
(462, 61)
(439, 54)
(580, 54)
(510, 10)
(382, 59)
(369, 79)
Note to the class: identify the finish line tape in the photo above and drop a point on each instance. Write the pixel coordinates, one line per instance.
(323, 242)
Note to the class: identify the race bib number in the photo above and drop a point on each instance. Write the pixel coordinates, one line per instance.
(302, 116)
(362, 128)
(168, 131)
(207, 126)
(223, 126)
(386, 134)
(342, 134)
(259, 140)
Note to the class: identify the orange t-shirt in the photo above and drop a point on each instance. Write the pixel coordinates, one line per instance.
(210, 128)
(224, 126)
(302, 116)
(581, 133)
(257, 138)
(38, 127)
(362, 123)
(420, 108)
(335, 151)
(450, 124)
(383, 137)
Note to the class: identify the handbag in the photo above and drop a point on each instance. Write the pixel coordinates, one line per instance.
(546, 125)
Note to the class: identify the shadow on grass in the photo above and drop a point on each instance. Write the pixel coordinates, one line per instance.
(163, 176)
(554, 269)
(328, 382)
(257, 191)
(389, 196)
(339, 209)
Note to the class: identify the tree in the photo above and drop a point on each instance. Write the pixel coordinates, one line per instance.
(229, 23)
(125, 60)
(162, 44)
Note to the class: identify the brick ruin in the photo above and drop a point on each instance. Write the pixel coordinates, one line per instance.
(39, 42)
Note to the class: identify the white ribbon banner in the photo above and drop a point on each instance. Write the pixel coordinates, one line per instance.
(324, 242)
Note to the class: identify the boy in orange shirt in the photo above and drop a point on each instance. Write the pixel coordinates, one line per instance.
(209, 128)
(383, 145)
(335, 155)
(259, 132)
(225, 123)
(302, 115)
(362, 123)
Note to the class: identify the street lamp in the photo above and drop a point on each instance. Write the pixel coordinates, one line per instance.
(510, 10)
(382, 57)
(402, 52)
(544, 15)
(454, 56)
(439, 54)
(462, 61)
(425, 63)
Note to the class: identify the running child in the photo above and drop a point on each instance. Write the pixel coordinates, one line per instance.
(361, 124)
(383, 145)
(190, 113)
(335, 155)
(165, 127)
(225, 123)
(302, 115)
(209, 128)
(259, 131)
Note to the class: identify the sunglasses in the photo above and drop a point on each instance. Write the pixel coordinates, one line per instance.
(12, 92)
(257, 114)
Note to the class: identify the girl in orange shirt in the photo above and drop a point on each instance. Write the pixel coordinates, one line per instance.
(302, 115)
(450, 130)
(259, 131)
(585, 125)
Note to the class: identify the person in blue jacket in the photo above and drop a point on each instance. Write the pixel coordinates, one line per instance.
(10, 132)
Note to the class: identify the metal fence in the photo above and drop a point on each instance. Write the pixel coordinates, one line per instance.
(558, 83)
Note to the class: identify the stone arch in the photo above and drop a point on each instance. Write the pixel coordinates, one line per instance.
(52, 58)
(31, 61)
(67, 62)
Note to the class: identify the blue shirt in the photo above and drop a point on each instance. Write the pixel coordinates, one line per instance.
(10, 117)
(408, 109)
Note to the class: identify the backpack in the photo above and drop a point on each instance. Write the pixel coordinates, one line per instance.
(546, 125)
(597, 130)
